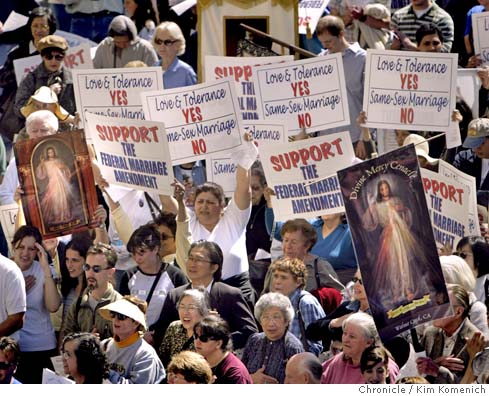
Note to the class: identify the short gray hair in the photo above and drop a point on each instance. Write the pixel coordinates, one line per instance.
(274, 300)
(457, 271)
(42, 115)
(366, 324)
(200, 297)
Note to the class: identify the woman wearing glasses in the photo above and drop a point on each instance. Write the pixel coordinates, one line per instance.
(169, 43)
(37, 340)
(131, 359)
(266, 354)
(213, 341)
(50, 73)
(192, 307)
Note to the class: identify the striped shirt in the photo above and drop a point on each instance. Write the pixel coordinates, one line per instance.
(406, 21)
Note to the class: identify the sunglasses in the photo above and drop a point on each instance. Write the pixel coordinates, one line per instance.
(166, 42)
(117, 315)
(5, 365)
(203, 338)
(94, 268)
(58, 57)
(355, 280)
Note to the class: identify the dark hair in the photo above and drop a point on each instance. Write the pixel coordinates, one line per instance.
(26, 231)
(107, 250)
(10, 347)
(428, 29)
(215, 255)
(304, 227)
(379, 184)
(146, 236)
(412, 380)
(143, 12)
(217, 329)
(331, 24)
(167, 219)
(90, 358)
(374, 355)
(40, 12)
(192, 366)
(214, 189)
(79, 243)
(480, 250)
(314, 367)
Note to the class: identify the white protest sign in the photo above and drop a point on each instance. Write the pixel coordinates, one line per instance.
(14, 21)
(410, 90)
(8, 217)
(50, 377)
(132, 153)
(241, 70)
(480, 29)
(309, 13)
(448, 204)
(468, 85)
(200, 119)
(115, 92)
(266, 132)
(303, 175)
(75, 58)
(468, 183)
(308, 94)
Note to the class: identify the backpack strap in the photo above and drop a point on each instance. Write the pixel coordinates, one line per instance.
(302, 325)
(316, 273)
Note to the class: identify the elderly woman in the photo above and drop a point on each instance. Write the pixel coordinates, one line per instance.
(50, 73)
(192, 306)
(131, 359)
(359, 332)
(169, 42)
(374, 365)
(189, 367)
(212, 341)
(123, 46)
(266, 354)
(457, 271)
(83, 358)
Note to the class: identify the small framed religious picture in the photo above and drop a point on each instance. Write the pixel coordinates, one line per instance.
(59, 190)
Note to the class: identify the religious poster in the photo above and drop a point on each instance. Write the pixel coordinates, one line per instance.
(59, 190)
(391, 230)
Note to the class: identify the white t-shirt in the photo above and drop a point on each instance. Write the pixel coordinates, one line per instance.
(38, 332)
(229, 234)
(12, 291)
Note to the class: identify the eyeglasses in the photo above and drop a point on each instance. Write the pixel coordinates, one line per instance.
(273, 318)
(197, 259)
(165, 237)
(355, 280)
(94, 268)
(58, 57)
(188, 307)
(203, 338)
(117, 315)
(5, 365)
(166, 42)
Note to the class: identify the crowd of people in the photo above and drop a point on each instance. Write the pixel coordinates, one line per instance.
(200, 288)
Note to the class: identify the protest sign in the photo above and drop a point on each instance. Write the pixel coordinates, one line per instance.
(132, 153)
(241, 71)
(302, 175)
(468, 85)
(115, 92)
(410, 90)
(76, 58)
(8, 218)
(200, 119)
(393, 240)
(14, 21)
(307, 94)
(50, 377)
(56, 175)
(309, 13)
(266, 132)
(469, 185)
(480, 27)
(448, 205)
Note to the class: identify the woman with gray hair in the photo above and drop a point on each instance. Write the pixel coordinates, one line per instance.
(192, 306)
(266, 354)
(359, 332)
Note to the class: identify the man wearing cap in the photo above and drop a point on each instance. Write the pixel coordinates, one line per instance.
(51, 73)
(84, 314)
(422, 149)
(475, 162)
(131, 359)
